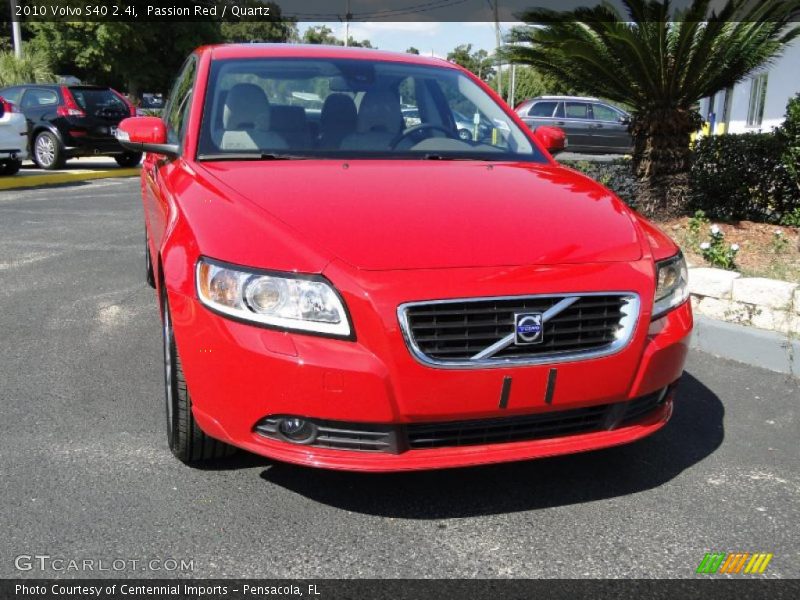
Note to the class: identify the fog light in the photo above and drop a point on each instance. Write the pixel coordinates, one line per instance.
(297, 430)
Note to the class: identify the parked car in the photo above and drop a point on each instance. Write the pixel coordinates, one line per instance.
(591, 125)
(151, 104)
(467, 127)
(66, 121)
(386, 297)
(13, 138)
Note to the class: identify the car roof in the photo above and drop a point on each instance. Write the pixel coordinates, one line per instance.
(58, 86)
(267, 50)
(579, 98)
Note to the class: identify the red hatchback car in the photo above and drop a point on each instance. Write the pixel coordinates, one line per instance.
(343, 288)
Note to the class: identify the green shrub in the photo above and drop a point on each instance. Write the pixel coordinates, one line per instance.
(789, 134)
(717, 252)
(792, 219)
(743, 176)
(33, 67)
(617, 175)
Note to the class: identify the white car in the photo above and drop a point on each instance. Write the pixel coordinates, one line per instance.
(13, 138)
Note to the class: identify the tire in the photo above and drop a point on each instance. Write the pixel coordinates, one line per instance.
(47, 151)
(148, 263)
(186, 440)
(465, 134)
(129, 159)
(10, 167)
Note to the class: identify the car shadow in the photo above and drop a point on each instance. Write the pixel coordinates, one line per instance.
(694, 432)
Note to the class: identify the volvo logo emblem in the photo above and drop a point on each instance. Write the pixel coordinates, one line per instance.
(528, 329)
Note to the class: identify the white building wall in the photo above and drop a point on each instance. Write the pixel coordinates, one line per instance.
(783, 82)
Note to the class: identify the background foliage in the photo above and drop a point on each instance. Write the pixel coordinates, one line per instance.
(32, 67)
(133, 57)
(743, 177)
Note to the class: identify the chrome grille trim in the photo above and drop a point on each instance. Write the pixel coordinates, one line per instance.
(627, 322)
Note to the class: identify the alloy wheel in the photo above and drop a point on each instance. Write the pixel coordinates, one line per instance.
(45, 150)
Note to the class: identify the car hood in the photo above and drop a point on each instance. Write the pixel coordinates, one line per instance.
(390, 215)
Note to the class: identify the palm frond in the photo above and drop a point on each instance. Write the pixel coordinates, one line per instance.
(651, 56)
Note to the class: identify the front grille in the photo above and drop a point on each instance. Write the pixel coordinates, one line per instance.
(510, 429)
(532, 427)
(395, 439)
(454, 332)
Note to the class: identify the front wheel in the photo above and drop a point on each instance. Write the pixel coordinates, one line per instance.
(10, 167)
(47, 151)
(185, 438)
(129, 159)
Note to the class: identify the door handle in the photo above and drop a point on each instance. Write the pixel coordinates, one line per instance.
(598, 126)
(559, 122)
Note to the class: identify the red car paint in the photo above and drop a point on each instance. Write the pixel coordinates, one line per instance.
(392, 232)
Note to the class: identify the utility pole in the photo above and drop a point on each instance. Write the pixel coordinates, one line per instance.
(497, 50)
(513, 87)
(347, 17)
(16, 32)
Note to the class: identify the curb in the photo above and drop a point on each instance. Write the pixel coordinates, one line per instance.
(15, 182)
(756, 347)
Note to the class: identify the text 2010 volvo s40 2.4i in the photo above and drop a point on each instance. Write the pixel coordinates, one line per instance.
(341, 288)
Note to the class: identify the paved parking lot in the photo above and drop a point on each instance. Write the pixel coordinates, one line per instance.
(86, 472)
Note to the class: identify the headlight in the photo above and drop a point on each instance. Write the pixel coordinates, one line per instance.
(672, 286)
(281, 300)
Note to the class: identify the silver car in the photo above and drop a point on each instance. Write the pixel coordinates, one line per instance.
(13, 138)
(591, 125)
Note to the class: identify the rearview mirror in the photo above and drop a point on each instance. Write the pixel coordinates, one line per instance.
(145, 134)
(552, 138)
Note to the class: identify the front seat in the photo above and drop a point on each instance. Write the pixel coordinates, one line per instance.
(379, 122)
(245, 120)
(337, 120)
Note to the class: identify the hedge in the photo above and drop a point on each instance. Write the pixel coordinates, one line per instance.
(743, 176)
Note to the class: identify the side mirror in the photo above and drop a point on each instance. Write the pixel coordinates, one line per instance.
(552, 138)
(145, 134)
(625, 120)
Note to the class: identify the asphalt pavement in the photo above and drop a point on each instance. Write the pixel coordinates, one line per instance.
(86, 474)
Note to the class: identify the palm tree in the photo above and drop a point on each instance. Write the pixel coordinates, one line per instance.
(659, 63)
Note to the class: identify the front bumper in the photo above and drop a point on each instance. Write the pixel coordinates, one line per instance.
(238, 374)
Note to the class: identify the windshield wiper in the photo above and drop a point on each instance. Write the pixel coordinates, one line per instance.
(250, 156)
(436, 156)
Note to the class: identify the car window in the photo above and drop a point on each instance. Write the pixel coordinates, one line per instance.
(368, 109)
(177, 108)
(37, 98)
(560, 111)
(12, 94)
(542, 109)
(577, 110)
(98, 101)
(605, 113)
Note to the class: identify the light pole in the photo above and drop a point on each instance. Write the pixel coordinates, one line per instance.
(347, 17)
(16, 32)
(497, 50)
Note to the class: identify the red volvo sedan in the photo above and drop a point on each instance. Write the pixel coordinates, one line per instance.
(346, 282)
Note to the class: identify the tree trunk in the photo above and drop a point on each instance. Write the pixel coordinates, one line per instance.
(662, 159)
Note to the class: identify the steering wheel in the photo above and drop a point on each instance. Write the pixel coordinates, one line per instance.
(415, 129)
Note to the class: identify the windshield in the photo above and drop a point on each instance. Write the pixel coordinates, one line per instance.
(353, 108)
